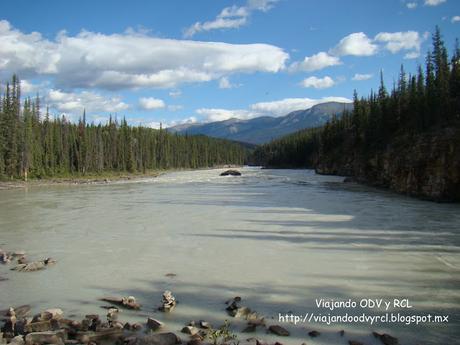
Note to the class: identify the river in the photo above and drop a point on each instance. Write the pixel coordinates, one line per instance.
(280, 239)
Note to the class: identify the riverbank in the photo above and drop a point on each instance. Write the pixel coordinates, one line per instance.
(92, 179)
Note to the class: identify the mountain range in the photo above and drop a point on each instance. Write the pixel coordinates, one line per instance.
(263, 129)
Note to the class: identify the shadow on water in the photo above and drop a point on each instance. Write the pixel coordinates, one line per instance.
(206, 301)
(296, 211)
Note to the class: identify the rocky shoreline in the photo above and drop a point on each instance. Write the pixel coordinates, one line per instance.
(21, 327)
(72, 181)
(52, 327)
(425, 166)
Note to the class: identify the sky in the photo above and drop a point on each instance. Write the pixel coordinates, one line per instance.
(178, 61)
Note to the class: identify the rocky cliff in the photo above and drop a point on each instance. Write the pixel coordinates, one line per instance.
(426, 166)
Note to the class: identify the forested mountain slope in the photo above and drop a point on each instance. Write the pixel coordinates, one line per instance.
(407, 139)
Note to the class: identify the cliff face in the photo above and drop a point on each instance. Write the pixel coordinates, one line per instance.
(426, 166)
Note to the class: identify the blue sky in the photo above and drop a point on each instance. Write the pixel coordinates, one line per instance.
(179, 61)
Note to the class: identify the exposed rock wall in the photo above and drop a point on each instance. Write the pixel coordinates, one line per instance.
(426, 166)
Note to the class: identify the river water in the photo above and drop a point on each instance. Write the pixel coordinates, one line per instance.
(280, 239)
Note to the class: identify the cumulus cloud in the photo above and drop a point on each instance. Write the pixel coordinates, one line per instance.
(315, 62)
(318, 83)
(136, 59)
(434, 2)
(285, 106)
(357, 44)
(411, 5)
(217, 114)
(231, 17)
(274, 108)
(224, 83)
(150, 103)
(455, 19)
(75, 102)
(29, 88)
(396, 41)
(360, 77)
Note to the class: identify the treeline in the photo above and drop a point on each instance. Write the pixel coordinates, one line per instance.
(34, 145)
(420, 103)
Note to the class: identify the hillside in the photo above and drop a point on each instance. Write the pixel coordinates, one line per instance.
(407, 140)
(263, 129)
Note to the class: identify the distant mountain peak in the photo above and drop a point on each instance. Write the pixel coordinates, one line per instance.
(263, 129)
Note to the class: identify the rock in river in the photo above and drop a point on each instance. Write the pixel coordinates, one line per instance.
(153, 324)
(127, 302)
(157, 339)
(168, 302)
(278, 330)
(231, 172)
(34, 266)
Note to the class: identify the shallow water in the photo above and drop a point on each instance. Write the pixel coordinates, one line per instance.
(278, 238)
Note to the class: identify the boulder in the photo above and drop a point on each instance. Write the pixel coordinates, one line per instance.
(17, 340)
(5, 258)
(168, 301)
(314, 334)
(54, 313)
(230, 172)
(278, 330)
(112, 315)
(50, 337)
(38, 326)
(194, 342)
(249, 328)
(240, 312)
(204, 324)
(191, 330)
(22, 260)
(153, 324)
(107, 333)
(34, 266)
(127, 302)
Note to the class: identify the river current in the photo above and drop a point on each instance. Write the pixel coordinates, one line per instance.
(280, 239)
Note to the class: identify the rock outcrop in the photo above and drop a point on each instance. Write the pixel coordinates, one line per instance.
(425, 166)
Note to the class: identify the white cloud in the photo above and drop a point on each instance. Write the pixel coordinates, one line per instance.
(175, 93)
(231, 17)
(217, 114)
(360, 77)
(357, 44)
(274, 108)
(136, 59)
(315, 62)
(411, 5)
(455, 19)
(73, 102)
(224, 83)
(30, 88)
(287, 105)
(188, 121)
(150, 103)
(318, 83)
(396, 41)
(434, 2)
